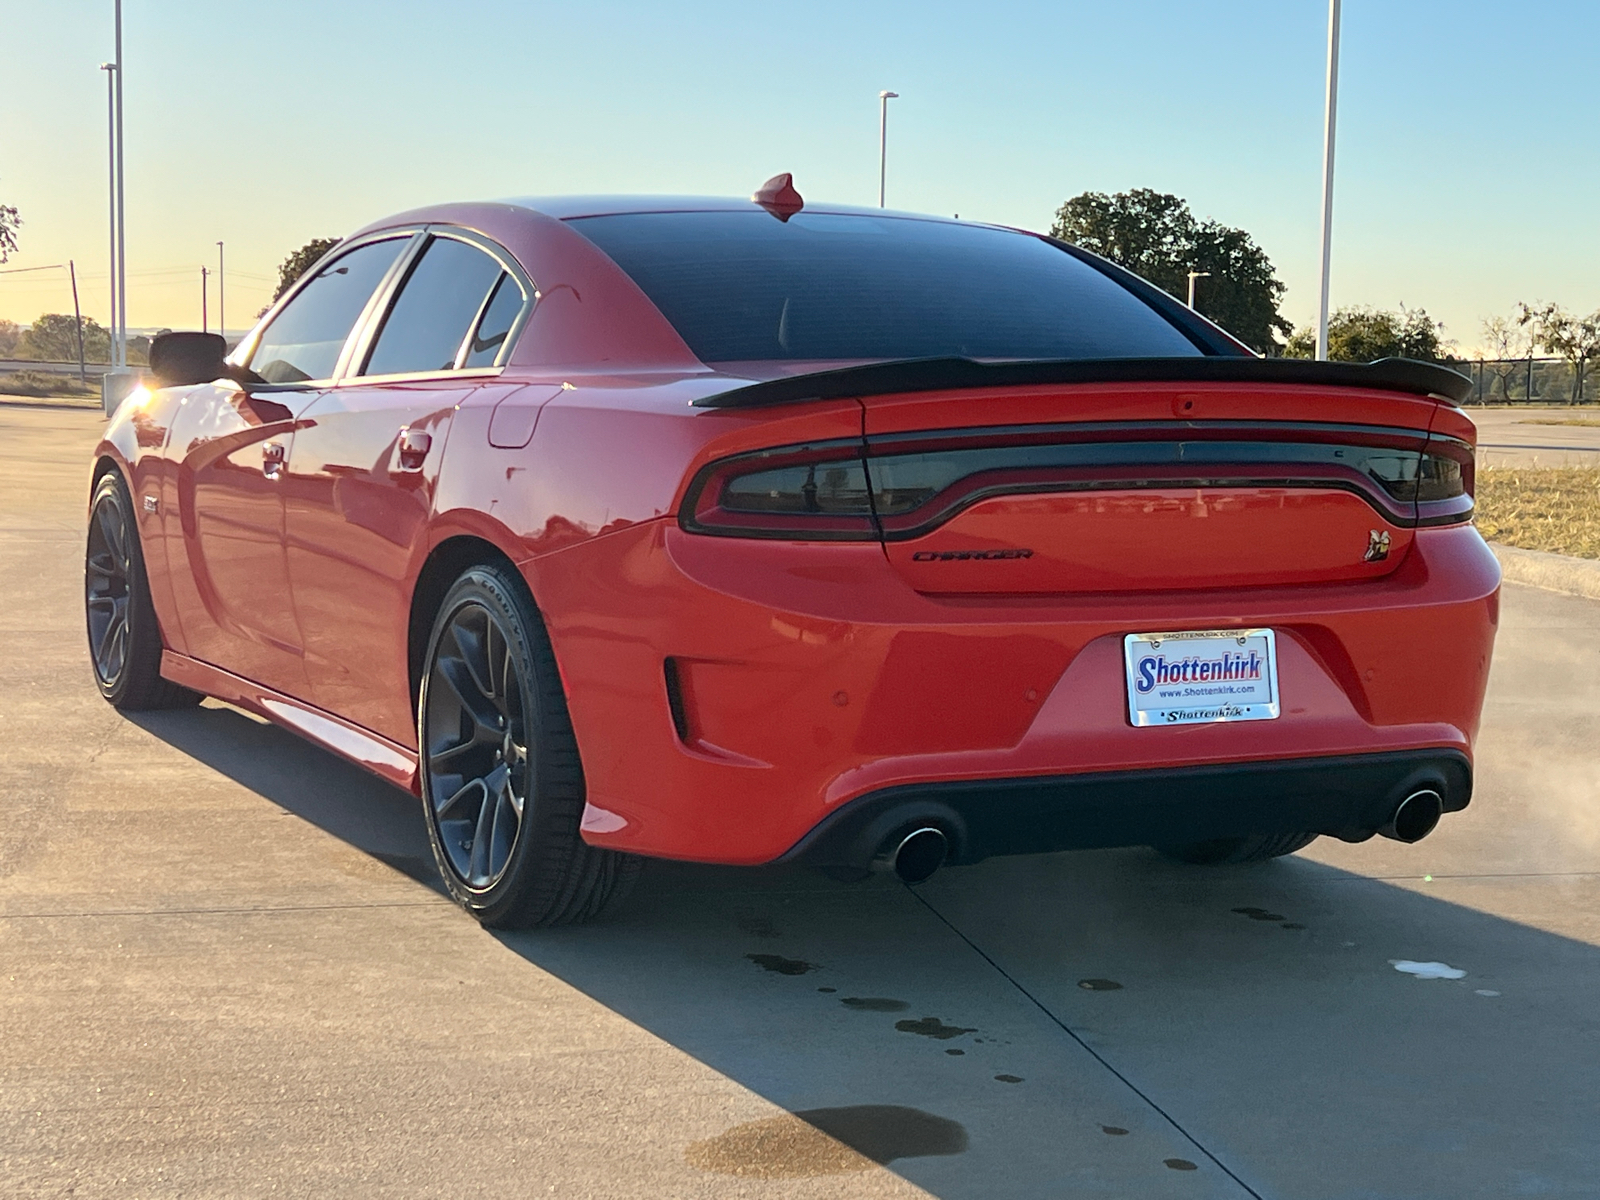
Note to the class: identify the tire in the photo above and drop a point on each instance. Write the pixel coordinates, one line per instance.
(502, 784)
(124, 636)
(1256, 848)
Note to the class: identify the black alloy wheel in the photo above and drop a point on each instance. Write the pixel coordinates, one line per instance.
(124, 636)
(501, 782)
(478, 746)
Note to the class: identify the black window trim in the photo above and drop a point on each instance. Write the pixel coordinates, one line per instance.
(371, 324)
(246, 350)
(363, 332)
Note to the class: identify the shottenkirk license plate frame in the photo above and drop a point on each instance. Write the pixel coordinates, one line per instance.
(1220, 696)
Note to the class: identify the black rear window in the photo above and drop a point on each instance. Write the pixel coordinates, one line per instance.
(744, 286)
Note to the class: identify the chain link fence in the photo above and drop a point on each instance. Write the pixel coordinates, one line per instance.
(1527, 381)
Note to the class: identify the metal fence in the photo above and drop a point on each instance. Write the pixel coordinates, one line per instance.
(1528, 381)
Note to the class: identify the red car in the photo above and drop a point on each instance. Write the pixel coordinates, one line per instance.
(752, 532)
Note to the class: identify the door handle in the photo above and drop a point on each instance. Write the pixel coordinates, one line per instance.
(413, 447)
(272, 454)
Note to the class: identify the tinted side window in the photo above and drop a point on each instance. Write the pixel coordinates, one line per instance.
(437, 304)
(742, 286)
(304, 340)
(495, 324)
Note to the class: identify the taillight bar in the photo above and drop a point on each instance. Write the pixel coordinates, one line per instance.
(901, 486)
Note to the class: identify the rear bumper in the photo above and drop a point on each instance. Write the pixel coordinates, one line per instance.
(813, 680)
(1348, 796)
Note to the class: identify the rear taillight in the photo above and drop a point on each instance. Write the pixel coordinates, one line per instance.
(1446, 482)
(903, 486)
(816, 492)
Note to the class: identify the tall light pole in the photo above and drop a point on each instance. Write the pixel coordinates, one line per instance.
(110, 68)
(883, 140)
(222, 313)
(1193, 275)
(205, 320)
(1327, 176)
(122, 228)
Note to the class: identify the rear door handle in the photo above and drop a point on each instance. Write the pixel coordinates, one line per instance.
(272, 454)
(413, 448)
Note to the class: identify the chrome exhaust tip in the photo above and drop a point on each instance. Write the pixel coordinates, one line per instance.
(917, 855)
(1416, 816)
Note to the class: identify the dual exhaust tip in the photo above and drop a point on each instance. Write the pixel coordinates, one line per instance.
(1415, 817)
(916, 855)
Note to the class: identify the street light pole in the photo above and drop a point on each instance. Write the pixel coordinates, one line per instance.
(1193, 275)
(222, 313)
(110, 68)
(122, 228)
(1327, 176)
(883, 140)
(205, 322)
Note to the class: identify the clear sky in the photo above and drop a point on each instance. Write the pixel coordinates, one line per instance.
(1469, 169)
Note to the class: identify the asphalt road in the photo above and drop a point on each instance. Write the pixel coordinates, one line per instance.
(1538, 437)
(224, 971)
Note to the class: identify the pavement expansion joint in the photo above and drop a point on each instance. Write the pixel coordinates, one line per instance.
(1088, 1049)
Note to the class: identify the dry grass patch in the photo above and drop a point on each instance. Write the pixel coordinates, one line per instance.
(43, 384)
(1585, 422)
(1541, 508)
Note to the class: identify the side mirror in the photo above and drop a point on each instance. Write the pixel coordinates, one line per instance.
(180, 359)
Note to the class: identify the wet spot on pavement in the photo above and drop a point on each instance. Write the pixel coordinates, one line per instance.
(827, 989)
(1114, 1130)
(1009, 1078)
(1099, 985)
(1259, 914)
(873, 1004)
(1180, 1164)
(1293, 925)
(955, 1051)
(932, 1027)
(779, 965)
(827, 1141)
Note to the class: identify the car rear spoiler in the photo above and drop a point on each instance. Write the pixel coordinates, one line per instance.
(946, 374)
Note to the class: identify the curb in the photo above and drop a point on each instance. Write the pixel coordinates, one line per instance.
(1552, 572)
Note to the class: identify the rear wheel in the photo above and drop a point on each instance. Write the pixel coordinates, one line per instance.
(124, 636)
(1256, 848)
(502, 784)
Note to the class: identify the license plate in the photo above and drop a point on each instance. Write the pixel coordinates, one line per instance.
(1201, 677)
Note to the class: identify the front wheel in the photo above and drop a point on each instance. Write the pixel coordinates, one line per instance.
(1256, 848)
(124, 636)
(502, 785)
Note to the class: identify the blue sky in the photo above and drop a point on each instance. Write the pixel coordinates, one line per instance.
(1469, 172)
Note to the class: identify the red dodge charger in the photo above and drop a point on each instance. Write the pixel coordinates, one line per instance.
(764, 531)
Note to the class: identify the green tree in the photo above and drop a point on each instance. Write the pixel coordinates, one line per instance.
(53, 338)
(1361, 334)
(10, 335)
(301, 261)
(9, 221)
(1576, 339)
(1155, 236)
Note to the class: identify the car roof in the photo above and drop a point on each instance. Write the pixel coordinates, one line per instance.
(566, 208)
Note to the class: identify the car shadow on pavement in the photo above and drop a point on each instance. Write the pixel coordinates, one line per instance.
(1101, 1023)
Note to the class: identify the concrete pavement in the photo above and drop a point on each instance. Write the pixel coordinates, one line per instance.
(227, 972)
